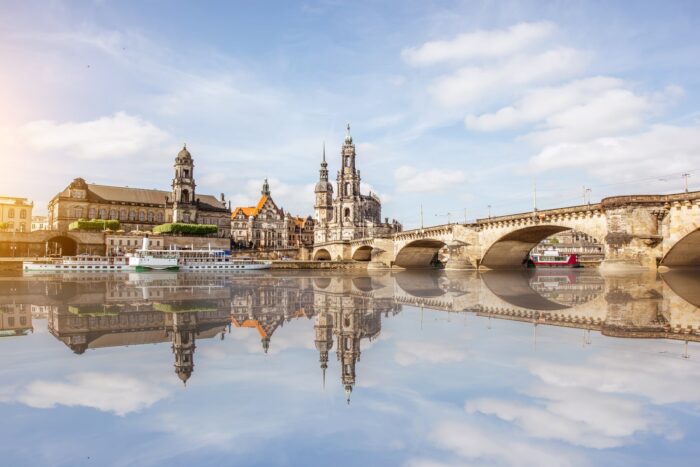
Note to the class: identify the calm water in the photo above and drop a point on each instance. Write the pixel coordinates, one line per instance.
(539, 369)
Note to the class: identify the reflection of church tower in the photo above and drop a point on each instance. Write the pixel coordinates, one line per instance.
(324, 339)
(348, 331)
(182, 333)
(184, 206)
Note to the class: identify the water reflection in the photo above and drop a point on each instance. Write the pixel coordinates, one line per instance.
(92, 314)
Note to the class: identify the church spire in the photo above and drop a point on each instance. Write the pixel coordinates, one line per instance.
(348, 136)
(323, 173)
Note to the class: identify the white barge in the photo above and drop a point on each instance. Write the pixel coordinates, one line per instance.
(81, 263)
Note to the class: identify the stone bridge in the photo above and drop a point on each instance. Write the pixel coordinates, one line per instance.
(39, 242)
(640, 231)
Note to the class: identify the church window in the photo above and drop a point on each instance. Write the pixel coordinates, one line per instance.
(347, 162)
(185, 198)
(347, 322)
(347, 213)
(348, 344)
(347, 189)
(187, 173)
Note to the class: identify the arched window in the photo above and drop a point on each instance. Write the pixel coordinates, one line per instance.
(92, 213)
(185, 197)
(78, 213)
(142, 216)
(160, 217)
(113, 214)
(132, 215)
(347, 213)
(103, 213)
(150, 217)
(23, 214)
(123, 215)
(347, 161)
(347, 189)
(11, 213)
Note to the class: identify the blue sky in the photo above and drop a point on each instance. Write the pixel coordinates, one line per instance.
(455, 105)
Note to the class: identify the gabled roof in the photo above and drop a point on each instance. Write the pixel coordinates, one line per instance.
(253, 210)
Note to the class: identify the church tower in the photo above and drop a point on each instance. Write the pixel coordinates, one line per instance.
(184, 204)
(323, 329)
(324, 202)
(183, 332)
(347, 328)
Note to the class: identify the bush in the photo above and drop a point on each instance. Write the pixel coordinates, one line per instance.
(4, 226)
(94, 224)
(189, 229)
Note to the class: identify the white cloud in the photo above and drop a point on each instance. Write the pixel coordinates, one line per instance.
(108, 392)
(412, 180)
(664, 148)
(479, 44)
(476, 443)
(470, 84)
(110, 137)
(415, 352)
(579, 417)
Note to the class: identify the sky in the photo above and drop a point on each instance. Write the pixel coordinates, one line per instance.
(455, 105)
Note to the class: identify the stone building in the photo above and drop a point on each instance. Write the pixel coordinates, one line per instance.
(573, 242)
(15, 214)
(266, 226)
(141, 209)
(40, 223)
(349, 214)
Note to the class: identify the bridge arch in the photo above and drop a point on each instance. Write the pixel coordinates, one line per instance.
(62, 244)
(685, 252)
(322, 255)
(363, 253)
(512, 249)
(419, 254)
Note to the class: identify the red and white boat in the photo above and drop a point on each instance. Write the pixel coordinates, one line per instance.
(552, 258)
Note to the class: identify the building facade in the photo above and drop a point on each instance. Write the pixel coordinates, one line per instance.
(349, 214)
(266, 226)
(15, 214)
(141, 209)
(40, 223)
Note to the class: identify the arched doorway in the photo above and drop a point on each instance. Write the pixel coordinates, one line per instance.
(62, 245)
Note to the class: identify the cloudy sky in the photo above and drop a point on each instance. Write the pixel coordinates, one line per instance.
(455, 105)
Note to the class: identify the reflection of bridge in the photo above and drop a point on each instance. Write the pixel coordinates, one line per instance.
(638, 231)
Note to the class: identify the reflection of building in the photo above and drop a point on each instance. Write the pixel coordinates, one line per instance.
(350, 214)
(15, 319)
(266, 226)
(15, 214)
(140, 208)
(131, 315)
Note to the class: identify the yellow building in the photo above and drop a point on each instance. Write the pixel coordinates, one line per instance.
(15, 214)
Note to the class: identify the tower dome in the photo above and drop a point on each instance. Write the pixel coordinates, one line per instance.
(184, 153)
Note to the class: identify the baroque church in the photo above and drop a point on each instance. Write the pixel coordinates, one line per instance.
(141, 209)
(350, 214)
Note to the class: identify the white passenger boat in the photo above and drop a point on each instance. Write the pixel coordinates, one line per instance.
(192, 260)
(80, 263)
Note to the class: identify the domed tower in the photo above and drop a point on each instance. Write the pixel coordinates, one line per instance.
(324, 339)
(184, 200)
(182, 333)
(324, 193)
